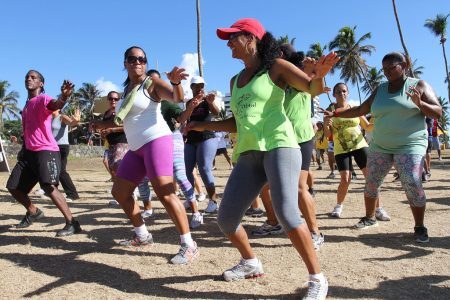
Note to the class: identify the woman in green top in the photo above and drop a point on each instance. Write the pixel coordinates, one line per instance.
(267, 145)
(399, 107)
(348, 142)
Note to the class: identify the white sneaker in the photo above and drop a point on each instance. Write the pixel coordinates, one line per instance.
(68, 200)
(201, 197)
(136, 194)
(337, 211)
(196, 221)
(113, 202)
(147, 214)
(212, 207)
(39, 192)
(382, 215)
(243, 271)
(317, 290)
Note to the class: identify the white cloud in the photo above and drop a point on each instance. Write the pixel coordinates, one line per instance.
(105, 86)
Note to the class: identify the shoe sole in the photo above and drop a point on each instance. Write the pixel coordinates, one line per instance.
(253, 276)
(336, 216)
(63, 235)
(365, 227)
(424, 241)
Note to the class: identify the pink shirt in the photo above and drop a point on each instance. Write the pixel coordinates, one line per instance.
(37, 125)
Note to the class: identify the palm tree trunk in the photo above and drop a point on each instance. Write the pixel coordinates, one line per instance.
(199, 41)
(359, 92)
(446, 66)
(408, 59)
(328, 94)
(365, 78)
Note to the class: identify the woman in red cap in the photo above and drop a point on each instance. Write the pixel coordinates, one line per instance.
(266, 144)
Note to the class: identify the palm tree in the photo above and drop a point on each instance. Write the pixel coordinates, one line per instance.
(417, 71)
(375, 77)
(408, 58)
(316, 51)
(199, 41)
(87, 95)
(438, 27)
(285, 40)
(8, 102)
(353, 67)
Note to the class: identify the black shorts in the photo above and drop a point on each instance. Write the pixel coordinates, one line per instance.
(343, 160)
(307, 149)
(35, 166)
(221, 151)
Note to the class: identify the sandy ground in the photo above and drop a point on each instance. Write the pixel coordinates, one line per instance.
(379, 263)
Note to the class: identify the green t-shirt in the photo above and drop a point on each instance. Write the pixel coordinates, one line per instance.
(261, 121)
(298, 109)
(170, 112)
(399, 126)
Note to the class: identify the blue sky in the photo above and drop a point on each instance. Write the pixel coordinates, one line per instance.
(84, 40)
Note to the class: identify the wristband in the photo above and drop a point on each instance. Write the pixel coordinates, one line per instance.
(173, 83)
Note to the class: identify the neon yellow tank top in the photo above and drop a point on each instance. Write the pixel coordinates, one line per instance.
(261, 121)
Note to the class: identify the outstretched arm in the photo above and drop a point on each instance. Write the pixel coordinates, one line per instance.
(66, 90)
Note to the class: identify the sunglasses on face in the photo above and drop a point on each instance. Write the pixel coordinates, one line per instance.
(113, 99)
(390, 68)
(235, 35)
(133, 59)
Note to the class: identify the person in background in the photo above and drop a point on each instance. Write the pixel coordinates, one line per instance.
(60, 130)
(401, 103)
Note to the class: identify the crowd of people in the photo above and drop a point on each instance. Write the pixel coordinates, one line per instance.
(151, 139)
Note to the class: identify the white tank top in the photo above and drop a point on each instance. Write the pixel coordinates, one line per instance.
(144, 122)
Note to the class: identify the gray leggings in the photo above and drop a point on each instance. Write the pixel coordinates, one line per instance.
(281, 168)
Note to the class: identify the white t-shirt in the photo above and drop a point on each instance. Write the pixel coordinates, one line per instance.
(144, 122)
(220, 136)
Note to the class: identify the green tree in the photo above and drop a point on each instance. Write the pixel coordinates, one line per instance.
(416, 70)
(13, 128)
(316, 51)
(374, 77)
(438, 27)
(352, 65)
(285, 40)
(86, 96)
(8, 102)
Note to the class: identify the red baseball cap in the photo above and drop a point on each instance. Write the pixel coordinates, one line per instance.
(247, 24)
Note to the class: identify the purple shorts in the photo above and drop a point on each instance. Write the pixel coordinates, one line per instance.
(154, 159)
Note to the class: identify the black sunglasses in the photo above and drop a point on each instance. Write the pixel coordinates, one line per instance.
(133, 59)
(113, 99)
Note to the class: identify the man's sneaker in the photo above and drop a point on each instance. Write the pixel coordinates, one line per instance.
(147, 214)
(254, 212)
(421, 234)
(30, 218)
(196, 221)
(185, 255)
(382, 215)
(316, 290)
(136, 242)
(212, 207)
(318, 240)
(337, 211)
(70, 229)
(365, 223)
(267, 229)
(243, 271)
(201, 197)
(114, 203)
(331, 175)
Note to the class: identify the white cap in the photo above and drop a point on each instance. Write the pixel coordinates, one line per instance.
(197, 80)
